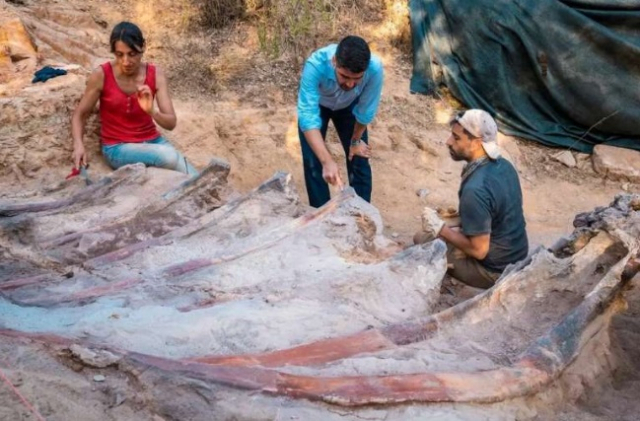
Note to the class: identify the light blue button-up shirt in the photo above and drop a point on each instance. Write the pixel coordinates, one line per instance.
(319, 86)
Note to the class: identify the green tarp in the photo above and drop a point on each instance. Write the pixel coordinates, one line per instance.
(563, 73)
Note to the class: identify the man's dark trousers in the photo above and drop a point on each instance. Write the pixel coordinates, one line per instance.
(358, 169)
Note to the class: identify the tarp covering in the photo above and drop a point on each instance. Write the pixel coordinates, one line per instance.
(564, 73)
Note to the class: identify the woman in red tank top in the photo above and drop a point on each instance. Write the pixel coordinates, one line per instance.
(127, 88)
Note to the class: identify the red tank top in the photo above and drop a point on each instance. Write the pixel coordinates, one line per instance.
(123, 121)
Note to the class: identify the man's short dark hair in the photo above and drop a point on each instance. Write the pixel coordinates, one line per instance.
(128, 33)
(353, 54)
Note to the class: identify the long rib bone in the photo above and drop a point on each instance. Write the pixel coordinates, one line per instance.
(540, 364)
(280, 181)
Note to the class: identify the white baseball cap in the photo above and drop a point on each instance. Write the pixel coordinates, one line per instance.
(480, 124)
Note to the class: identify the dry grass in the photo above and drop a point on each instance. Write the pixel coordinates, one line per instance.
(188, 62)
(219, 13)
(297, 27)
(211, 45)
(293, 28)
(229, 64)
(395, 27)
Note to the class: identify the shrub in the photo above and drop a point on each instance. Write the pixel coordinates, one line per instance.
(219, 13)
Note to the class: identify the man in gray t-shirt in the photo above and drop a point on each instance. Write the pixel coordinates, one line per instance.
(492, 233)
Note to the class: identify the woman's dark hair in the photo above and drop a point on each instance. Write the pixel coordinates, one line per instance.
(353, 54)
(128, 33)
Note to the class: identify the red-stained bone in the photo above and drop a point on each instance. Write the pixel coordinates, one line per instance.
(545, 359)
(311, 354)
(81, 296)
(541, 363)
(96, 191)
(213, 177)
(21, 282)
(85, 194)
(278, 181)
(104, 290)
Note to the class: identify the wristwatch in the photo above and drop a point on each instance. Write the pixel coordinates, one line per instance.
(355, 142)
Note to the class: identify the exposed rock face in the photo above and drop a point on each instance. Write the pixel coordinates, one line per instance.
(510, 150)
(35, 129)
(35, 118)
(17, 48)
(617, 163)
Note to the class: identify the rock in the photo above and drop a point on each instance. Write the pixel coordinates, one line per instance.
(617, 163)
(17, 50)
(34, 119)
(625, 187)
(583, 160)
(94, 358)
(422, 193)
(566, 158)
(118, 400)
(510, 150)
(99, 378)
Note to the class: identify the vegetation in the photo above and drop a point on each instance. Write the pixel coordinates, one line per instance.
(293, 26)
(207, 45)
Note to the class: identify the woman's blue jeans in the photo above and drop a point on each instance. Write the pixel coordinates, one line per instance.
(153, 153)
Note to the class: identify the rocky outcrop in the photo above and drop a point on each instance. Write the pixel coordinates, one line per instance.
(18, 53)
(617, 163)
(35, 118)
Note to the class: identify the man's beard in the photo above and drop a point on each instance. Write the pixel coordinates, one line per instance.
(456, 156)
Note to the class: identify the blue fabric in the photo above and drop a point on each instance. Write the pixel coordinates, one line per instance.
(154, 153)
(46, 73)
(491, 203)
(358, 169)
(319, 87)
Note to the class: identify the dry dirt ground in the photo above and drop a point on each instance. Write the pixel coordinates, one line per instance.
(249, 120)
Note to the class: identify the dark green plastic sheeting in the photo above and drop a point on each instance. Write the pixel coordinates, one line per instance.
(563, 73)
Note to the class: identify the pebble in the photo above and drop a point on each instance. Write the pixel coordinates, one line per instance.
(422, 193)
(566, 158)
(99, 378)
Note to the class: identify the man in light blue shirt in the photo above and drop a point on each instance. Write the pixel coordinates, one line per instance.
(341, 83)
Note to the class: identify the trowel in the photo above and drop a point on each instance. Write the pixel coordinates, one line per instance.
(82, 172)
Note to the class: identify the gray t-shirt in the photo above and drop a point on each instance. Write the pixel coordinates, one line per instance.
(491, 203)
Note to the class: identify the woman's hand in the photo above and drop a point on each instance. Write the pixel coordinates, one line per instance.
(79, 155)
(145, 99)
